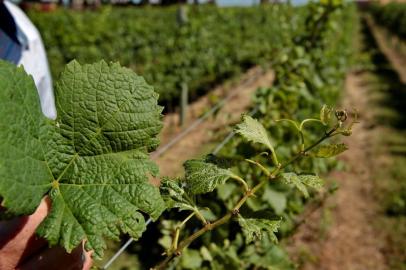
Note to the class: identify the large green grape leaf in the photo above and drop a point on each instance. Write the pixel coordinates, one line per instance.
(92, 161)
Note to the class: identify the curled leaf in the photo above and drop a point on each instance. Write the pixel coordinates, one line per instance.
(325, 114)
(253, 131)
(311, 180)
(254, 228)
(202, 177)
(175, 196)
(329, 150)
(293, 179)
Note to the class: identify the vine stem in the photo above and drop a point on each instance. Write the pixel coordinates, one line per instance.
(177, 231)
(241, 181)
(250, 192)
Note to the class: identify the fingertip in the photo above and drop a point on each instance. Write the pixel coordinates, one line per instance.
(87, 258)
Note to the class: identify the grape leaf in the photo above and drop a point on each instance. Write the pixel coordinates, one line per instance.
(92, 161)
(311, 180)
(329, 150)
(253, 228)
(253, 131)
(325, 114)
(225, 257)
(293, 179)
(191, 259)
(277, 200)
(273, 257)
(302, 180)
(202, 177)
(175, 196)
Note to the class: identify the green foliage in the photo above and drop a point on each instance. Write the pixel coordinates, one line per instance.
(175, 196)
(306, 77)
(293, 179)
(92, 161)
(202, 177)
(329, 150)
(392, 16)
(311, 180)
(253, 131)
(310, 60)
(325, 114)
(277, 200)
(273, 257)
(309, 72)
(191, 259)
(215, 43)
(253, 228)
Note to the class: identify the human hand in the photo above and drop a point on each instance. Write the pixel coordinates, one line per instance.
(21, 248)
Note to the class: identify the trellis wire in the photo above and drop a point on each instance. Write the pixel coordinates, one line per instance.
(121, 250)
(180, 136)
(214, 152)
(200, 120)
(230, 135)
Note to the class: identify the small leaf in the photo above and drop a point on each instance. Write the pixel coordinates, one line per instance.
(325, 114)
(254, 228)
(207, 214)
(202, 177)
(165, 241)
(225, 255)
(276, 199)
(225, 191)
(175, 196)
(253, 131)
(293, 179)
(273, 257)
(311, 180)
(329, 150)
(206, 254)
(191, 259)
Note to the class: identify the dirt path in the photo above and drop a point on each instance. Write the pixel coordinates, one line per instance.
(344, 234)
(398, 60)
(215, 127)
(351, 242)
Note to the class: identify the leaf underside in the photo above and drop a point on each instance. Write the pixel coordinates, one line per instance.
(293, 179)
(92, 161)
(253, 131)
(254, 228)
(302, 180)
(330, 150)
(175, 196)
(325, 114)
(202, 177)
